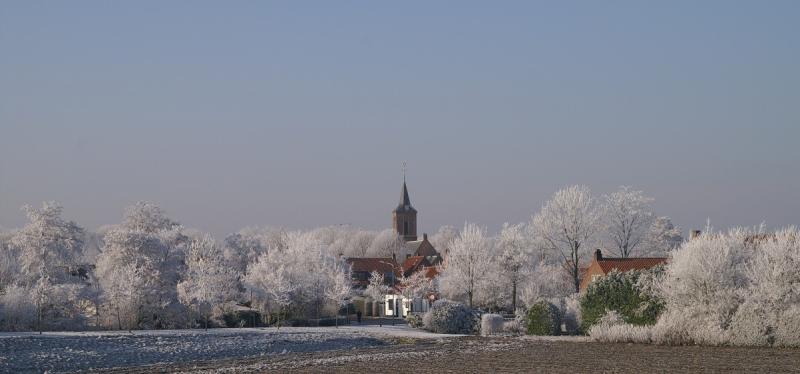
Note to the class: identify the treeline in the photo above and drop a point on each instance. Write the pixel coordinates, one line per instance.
(149, 271)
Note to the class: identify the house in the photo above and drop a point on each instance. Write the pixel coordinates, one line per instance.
(362, 268)
(603, 265)
(361, 271)
(423, 249)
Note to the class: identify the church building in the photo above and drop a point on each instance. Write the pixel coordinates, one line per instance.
(404, 222)
(420, 256)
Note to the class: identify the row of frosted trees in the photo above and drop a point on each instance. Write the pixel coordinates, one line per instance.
(151, 272)
(543, 258)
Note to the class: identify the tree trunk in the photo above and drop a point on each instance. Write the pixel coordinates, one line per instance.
(119, 319)
(514, 296)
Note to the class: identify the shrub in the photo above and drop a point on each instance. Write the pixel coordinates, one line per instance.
(734, 288)
(624, 333)
(332, 321)
(673, 328)
(513, 327)
(242, 318)
(491, 324)
(446, 317)
(787, 331)
(612, 329)
(415, 320)
(571, 314)
(543, 319)
(297, 322)
(17, 310)
(621, 292)
(750, 326)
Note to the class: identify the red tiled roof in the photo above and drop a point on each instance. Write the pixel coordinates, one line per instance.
(625, 264)
(370, 264)
(411, 263)
(431, 272)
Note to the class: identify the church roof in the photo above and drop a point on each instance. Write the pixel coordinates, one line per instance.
(405, 201)
(413, 246)
(369, 264)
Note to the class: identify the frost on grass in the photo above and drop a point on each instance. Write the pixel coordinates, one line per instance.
(67, 352)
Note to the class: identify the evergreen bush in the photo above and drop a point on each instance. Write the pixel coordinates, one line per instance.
(543, 319)
(623, 293)
(446, 317)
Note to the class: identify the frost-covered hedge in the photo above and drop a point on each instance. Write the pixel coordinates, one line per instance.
(735, 288)
(624, 293)
(447, 317)
(491, 324)
(543, 319)
(611, 328)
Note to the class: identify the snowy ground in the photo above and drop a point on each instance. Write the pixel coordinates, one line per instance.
(81, 351)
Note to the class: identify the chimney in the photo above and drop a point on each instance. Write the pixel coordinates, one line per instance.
(424, 237)
(598, 255)
(694, 234)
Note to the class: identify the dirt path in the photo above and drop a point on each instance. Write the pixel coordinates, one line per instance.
(482, 355)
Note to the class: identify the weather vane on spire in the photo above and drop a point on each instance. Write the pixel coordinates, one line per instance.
(404, 172)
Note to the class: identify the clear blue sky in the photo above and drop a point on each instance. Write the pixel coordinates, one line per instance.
(300, 113)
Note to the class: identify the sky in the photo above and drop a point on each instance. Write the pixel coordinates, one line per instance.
(300, 114)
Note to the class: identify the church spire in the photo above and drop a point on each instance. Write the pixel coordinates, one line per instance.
(405, 201)
(404, 217)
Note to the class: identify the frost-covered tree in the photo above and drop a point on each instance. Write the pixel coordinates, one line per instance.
(416, 285)
(702, 288)
(546, 281)
(442, 239)
(295, 279)
(627, 217)
(770, 314)
(9, 264)
(243, 248)
(45, 253)
(360, 243)
(377, 289)
(272, 284)
(18, 310)
(566, 225)
(514, 256)
(338, 288)
(154, 247)
(662, 237)
(48, 245)
(124, 292)
(208, 282)
(387, 244)
(464, 271)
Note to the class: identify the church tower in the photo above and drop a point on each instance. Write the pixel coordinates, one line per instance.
(404, 217)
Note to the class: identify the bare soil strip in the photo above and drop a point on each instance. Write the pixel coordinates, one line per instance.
(507, 355)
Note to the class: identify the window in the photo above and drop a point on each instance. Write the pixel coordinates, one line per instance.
(391, 304)
(405, 227)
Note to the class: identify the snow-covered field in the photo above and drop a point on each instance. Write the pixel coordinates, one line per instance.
(80, 351)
